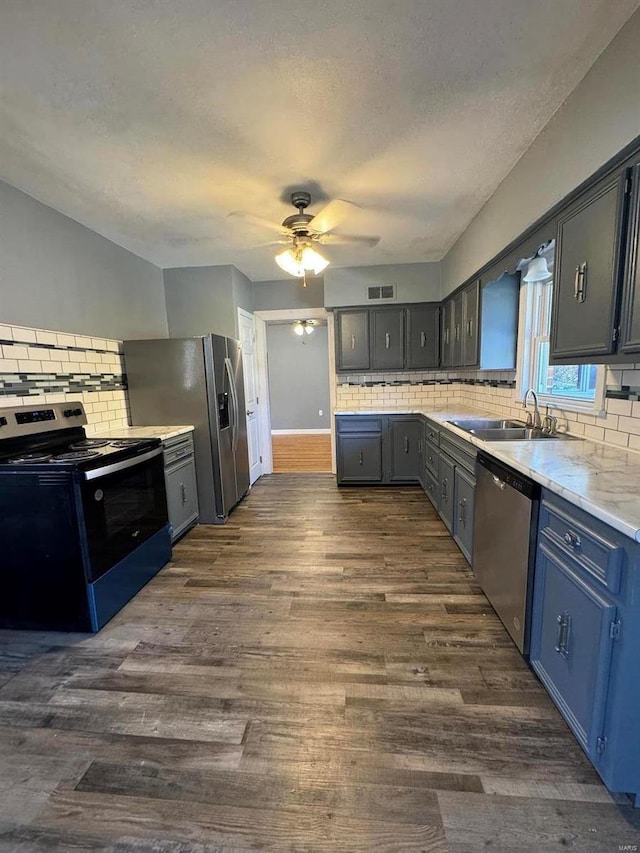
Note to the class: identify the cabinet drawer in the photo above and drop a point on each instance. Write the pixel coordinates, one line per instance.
(433, 432)
(460, 450)
(601, 558)
(178, 451)
(349, 423)
(432, 458)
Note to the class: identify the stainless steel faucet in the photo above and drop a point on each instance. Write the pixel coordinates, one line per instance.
(536, 423)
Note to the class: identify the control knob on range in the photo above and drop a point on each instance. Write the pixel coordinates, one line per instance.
(72, 413)
(3, 422)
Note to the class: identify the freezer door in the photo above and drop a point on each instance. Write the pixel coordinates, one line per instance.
(241, 448)
(222, 406)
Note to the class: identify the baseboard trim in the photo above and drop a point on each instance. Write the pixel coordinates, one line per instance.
(300, 432)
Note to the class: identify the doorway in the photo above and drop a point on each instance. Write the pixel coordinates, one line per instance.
(299, 376)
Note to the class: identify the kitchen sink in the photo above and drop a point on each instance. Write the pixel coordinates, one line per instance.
(472, 424)
(492, 429)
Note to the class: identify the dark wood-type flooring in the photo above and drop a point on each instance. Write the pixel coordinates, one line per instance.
(320, 674)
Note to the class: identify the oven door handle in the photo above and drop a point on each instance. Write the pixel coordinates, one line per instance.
(94, 473)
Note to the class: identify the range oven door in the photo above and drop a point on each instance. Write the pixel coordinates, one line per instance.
(122, 507)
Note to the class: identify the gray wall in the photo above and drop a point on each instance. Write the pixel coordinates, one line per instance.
(57, 274)
(598, 119)
(200, 300)
(288, 293)
(414, 283)
(298, 378)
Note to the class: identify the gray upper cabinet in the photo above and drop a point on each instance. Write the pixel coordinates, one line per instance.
(448, 332)
(423, 336)
(456, 336)
(630, 320)
(352, 340)
(588, 268)
(470, 318)
(387, 338)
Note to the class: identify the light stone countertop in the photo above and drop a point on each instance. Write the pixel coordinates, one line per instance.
(601, 479)
(164, 433)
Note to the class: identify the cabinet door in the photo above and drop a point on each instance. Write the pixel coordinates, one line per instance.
(352, 340)
(571, 645)
(456, 355)
(360, 458)
(447, 491)
(423, 336)
(465, 487)
(182, 496)
(630, 320)
(406, 448)
(387, 338)
(470, 318)
(587, 273)
(448, 333)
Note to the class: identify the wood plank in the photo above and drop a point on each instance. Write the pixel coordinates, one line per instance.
(302, 453)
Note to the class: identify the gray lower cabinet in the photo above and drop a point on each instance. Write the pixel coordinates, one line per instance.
(447, 491)
(406, 439)
(465, 488)
(585, 636)
(180, 483)
(360, 458)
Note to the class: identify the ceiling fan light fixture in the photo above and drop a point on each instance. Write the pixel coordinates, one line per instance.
(313, 261)
(289, 262)
(298, 328)
(301, 259)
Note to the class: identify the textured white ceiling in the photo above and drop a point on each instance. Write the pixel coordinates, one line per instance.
(151, 120)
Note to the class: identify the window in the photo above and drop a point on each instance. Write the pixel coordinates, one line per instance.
(568, 386)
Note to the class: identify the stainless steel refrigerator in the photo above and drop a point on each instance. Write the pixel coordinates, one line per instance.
(196, 381)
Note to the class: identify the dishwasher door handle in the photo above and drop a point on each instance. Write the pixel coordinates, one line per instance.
(499, 483)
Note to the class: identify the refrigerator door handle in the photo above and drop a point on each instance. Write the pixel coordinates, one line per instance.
(234, 401)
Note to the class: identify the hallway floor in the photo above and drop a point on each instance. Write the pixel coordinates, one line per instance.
(320, 674)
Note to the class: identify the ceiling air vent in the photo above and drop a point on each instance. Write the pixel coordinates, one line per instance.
(381, 292)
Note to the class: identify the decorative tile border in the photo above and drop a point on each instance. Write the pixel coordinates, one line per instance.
(624, 393)
(30, 385)
(493, 383)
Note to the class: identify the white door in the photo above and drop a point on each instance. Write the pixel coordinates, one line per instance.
(249, 366)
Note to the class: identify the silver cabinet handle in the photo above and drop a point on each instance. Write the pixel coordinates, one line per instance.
(498, 482)
(249, 411)
(430, 458)
(572, 539)
(353, 341)
(406, 444)
(462, 517)
(580, 283)
(361, 457)
(564, 633)
(444, 490)
(446, 336)
(387, 340)
(469, 328)
(183, 494)
(458, 331)
(419, 447)
(423, 339)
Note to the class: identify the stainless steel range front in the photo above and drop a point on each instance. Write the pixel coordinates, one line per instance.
(84, 521)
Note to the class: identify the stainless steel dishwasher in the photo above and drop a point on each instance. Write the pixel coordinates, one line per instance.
(505, 527)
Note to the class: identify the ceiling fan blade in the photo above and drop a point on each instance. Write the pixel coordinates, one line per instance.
(332, 215)
(258, 220)
(283, 242)
(350, 239)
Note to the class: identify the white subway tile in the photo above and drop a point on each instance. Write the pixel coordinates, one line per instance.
(46, 338)
(618, 407)
(595, 433)
(38, 353)
(631, 377)
(634, 442)
(6, 333)
(611, 436)
(26, 336)
(14, 351)
(29, 366)
(629, 425)
(65, 340)
(8, 365)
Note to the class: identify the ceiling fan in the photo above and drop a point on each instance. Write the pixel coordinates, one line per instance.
(301, 232)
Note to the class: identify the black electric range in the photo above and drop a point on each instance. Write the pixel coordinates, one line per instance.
(84, 520)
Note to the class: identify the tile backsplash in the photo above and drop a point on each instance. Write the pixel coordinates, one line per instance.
(38, 365)
(495, 392)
